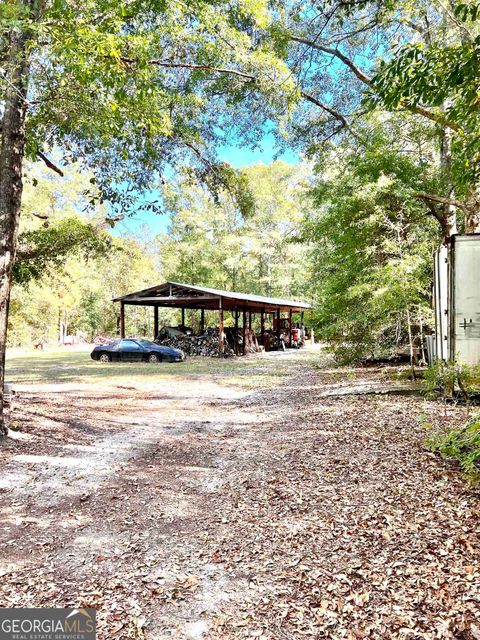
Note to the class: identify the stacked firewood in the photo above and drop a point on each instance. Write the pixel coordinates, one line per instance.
(207, 343)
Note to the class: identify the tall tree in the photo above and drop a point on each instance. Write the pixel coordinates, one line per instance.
(371, 251)
(442, 70)
(215, 243)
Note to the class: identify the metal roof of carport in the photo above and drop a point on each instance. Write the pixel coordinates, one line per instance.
(188, 296)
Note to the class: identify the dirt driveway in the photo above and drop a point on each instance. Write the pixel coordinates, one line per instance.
(237, 504)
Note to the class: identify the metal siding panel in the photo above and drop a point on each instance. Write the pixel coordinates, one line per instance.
(465, 308)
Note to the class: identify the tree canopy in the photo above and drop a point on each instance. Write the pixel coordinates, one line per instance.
(371, 250)
(212, 243)
(127, 90)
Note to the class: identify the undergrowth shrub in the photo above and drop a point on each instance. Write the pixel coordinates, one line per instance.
(449, 380)
(452, 381)
(462, 445)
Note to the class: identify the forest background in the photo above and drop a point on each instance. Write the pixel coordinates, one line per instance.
(378, 99)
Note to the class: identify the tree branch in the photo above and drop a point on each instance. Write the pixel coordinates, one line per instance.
(50, 164)
(422, 111)
(338, 54)
(438, 118)
(435, 213)
(245, 76)
(46, 160)
(200, 67)
(429, 198)
(332, 112)
(251, 78)
(338, 116)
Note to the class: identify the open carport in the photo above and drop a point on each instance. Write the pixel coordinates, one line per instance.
(186, 296)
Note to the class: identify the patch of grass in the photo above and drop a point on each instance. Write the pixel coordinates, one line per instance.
(76, 366)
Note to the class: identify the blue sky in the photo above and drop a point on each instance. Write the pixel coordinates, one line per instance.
(150, 224)
(242, 157)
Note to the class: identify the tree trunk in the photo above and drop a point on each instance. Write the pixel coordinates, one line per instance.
(472, 212)
(449, 216)
(420, 320)
(11, 161)
(471, 204)
(410, 343)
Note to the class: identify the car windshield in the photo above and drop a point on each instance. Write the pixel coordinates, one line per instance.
(145, 343)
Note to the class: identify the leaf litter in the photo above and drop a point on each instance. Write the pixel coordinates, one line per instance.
(279, 513)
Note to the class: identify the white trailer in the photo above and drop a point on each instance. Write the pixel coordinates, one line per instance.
(456, 299)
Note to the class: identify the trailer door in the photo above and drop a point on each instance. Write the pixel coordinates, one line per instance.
(465, 315)
(440, 302)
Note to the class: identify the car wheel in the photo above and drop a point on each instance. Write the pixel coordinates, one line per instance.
(104, 357)
(153, 358)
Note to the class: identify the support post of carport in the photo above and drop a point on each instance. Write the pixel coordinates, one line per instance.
(244, 329)
(183, 316)
(250, 320)
(220, 328)
(278, 328)
(202, 321)
(155, 322)
(302, 326)
(290, 328)
(236, 315)
(262, 326)
(122, 319)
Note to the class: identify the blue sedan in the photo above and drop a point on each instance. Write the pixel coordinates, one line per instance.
(133, 350)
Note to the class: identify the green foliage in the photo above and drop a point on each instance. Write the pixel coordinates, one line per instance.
(78, 297)
(441, 73)
(462, 445)
(220, 179)
(371, 252)
(52, 226)
(450, 379)
(419, 62)
(69, 267)
(467, 11)
(217, 242)
(69, 271)
(46, 249)
(129, 91)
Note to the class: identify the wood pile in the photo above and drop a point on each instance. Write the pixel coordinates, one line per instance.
(206, 344)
